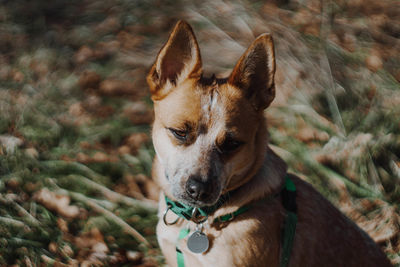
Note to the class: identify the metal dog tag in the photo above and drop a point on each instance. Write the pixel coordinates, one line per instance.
(198, 242)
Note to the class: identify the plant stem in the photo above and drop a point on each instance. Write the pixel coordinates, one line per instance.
(126, 227)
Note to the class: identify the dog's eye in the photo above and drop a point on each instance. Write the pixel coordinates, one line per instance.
(179, 134)
(229, 145)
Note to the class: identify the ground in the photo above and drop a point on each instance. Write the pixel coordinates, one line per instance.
(75, 115)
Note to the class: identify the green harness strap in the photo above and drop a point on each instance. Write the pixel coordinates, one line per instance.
(179, 255)
(289, 230)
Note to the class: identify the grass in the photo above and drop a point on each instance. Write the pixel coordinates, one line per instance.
(75, 159)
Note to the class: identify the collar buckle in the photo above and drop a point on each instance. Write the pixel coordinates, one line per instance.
(197, 217)
(169, 206)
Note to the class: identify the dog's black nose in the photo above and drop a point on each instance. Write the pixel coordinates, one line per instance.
(197, 189)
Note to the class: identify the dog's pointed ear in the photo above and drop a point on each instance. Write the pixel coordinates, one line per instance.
(178, 60)
(254, 73)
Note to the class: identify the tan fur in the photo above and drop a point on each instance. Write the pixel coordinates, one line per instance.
(208, 114)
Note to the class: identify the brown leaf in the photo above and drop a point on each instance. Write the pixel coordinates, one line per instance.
(129, 187)
(124, 150)
(67, 250)
(40, 68)
(374, 61)
(306, 133)
(32, 152)
(62, 224)
(100, 157)
(89, 79)
(129, 41)
(92, 103)
(310, 134)
(89, 239)
(149, 262)
(151, 189)
(134, 256)
(18, 76)
(110, 24)
(117, 87)
(76, 109)
(57, 203)
(83, 55)
(104, 111)
(83, 158)
(53, 247)
(92, 248)
(139, 113)
(136, 140)
(10, 143)
(382, 224)
(106, 49)
(85, 145)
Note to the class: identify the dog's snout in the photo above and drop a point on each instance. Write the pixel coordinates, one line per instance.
(197, 189)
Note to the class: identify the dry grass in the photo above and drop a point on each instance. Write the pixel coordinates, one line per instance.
(75, 155)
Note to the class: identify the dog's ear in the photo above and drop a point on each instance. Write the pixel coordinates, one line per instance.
(254, 73)
(178, 60)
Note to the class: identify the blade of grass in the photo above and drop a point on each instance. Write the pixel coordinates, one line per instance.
(114, 196)
(92, 204)
(26, 216)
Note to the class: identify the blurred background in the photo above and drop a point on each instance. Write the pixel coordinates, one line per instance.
(75, 115)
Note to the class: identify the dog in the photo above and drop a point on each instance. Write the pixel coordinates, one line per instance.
(211, 142)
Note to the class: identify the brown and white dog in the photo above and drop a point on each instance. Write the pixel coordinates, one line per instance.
(210, 138)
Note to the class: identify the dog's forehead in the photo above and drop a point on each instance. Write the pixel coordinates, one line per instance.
(205, 106)
(181, 105)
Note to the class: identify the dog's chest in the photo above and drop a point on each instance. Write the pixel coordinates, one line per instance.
(235, 245)
(168, 240)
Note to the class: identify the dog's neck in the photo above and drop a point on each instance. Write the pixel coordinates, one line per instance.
(267, 181)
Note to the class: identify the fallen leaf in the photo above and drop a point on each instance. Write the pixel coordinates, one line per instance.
(89, 79)
(76, 109)
(57, 203)
(110, 24)
(124, 150)
(83, 55)
(83, 158)
(18, 76)
(382, 224)
(10, 143)
(139, 113)
(106, 49)
(100, 157)
(134, 256)
(136, 140)
(151, 189)
(117, 87)
(374, 62)
(62, 224)
(129, 41)
(32, 152)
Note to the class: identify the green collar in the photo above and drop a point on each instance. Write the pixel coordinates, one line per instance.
(199, 215)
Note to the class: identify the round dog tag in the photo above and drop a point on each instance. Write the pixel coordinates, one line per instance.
(198, 242)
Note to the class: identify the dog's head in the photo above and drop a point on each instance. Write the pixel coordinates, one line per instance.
(209, 134)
